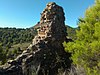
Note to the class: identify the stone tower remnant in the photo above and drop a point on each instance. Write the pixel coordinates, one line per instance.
(46, 55)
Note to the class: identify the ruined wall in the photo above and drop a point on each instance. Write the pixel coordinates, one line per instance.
(44, 56)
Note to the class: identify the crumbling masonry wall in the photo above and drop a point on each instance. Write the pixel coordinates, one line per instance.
(46, 55)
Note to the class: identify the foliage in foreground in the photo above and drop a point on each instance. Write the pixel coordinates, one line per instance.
(86, 48)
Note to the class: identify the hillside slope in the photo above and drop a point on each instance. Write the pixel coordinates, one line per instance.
(71, 32)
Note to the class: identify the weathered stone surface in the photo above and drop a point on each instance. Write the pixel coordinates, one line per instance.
(46, 55)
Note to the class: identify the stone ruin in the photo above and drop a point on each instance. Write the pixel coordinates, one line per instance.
(46, 55)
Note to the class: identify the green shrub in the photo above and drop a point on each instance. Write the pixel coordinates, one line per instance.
(86, 48)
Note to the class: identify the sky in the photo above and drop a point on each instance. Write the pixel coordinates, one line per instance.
(26, 13)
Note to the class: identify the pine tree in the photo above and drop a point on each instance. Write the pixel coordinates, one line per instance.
(86, 48)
